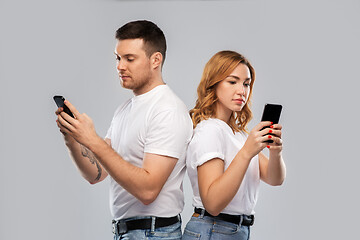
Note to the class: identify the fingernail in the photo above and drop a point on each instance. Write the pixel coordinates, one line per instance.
(268, 146)
(272, 123)
(271, 126)
(270, 131)
(269, 136)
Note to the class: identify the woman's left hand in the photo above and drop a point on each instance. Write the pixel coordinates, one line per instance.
(276, 145)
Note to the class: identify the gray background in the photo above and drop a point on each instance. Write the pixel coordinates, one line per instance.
(306, 56)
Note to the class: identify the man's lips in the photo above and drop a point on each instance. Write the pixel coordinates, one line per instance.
(124, 76)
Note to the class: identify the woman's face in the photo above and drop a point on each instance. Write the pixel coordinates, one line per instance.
(233, 92)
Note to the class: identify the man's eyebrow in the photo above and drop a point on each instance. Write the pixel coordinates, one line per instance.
(126, 55)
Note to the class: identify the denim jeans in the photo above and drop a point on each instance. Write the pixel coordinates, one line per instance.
(172, 232)
(205, 227)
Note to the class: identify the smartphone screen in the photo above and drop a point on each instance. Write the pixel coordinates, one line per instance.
(271, 113)
(59, 100)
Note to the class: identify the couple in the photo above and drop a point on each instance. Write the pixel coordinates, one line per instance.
(151, 139)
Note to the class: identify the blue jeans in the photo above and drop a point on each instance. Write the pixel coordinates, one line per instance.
(172, 232)
(205, 227)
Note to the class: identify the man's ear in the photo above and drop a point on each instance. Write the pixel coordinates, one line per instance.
(156, 60)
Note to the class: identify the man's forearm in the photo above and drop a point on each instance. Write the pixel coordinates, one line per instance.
(145, 182)
(86, 162)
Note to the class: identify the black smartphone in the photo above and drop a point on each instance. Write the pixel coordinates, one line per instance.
(59, 100)
(271, 113)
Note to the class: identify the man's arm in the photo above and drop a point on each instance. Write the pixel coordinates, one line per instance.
(84, 159)
(145, 182)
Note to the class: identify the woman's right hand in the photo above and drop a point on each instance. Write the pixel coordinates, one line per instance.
(255, 142)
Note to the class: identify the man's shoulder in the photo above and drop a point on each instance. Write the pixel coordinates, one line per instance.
(167, 100)
(123, 106)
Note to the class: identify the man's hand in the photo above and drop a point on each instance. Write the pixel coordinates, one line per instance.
(81, 128)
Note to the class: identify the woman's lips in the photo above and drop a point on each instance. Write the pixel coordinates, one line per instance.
(239, 101)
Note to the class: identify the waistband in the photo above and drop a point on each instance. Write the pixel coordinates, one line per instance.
(123, 226)
(245, 220)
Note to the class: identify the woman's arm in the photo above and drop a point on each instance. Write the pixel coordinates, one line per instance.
(218, 186)
(272, 169)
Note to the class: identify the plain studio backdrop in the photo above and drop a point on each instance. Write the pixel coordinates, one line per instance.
(306, 57)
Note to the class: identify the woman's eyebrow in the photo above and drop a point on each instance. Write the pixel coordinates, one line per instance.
(237, 78)
(233, 76)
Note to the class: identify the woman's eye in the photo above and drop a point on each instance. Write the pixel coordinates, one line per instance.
(117, 58)
(130, 59)
(232, 82)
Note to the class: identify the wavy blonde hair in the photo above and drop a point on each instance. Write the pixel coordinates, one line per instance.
(220, 66)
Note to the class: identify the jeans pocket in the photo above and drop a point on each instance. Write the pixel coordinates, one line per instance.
(189, 235)
(172, 232)
(225, 228)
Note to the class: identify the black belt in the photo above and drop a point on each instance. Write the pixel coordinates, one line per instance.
(246, 220)
(123, 226)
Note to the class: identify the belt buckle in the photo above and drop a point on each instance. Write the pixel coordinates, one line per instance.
(122, 227)
(119, 227)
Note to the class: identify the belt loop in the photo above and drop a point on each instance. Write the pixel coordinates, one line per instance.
(179, 217)
(115, 227)
(241, 220)
(202, 213)
(153, 220)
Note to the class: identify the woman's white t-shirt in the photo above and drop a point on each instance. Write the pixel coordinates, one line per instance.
(213, 138)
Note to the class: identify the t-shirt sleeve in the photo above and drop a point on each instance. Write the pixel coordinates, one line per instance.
(206, 144)
(108, 134)
(109, 131)
(168, 133)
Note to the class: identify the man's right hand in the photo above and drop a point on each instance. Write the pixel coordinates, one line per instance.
(69, 140)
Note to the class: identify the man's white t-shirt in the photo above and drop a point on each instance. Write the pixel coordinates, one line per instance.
(156, 122)
(213, 138)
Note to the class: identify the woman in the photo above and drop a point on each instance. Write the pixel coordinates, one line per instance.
(224, 162)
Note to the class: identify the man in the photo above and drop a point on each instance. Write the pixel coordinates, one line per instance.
(144, 149)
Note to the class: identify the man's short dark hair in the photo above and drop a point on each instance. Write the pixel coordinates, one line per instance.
(149, 32)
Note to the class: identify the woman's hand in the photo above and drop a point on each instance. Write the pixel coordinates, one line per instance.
(276, 145)
(255, 142)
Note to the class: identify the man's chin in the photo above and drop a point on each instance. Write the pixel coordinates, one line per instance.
(127, 86)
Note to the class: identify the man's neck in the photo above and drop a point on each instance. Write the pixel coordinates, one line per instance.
(149, 86)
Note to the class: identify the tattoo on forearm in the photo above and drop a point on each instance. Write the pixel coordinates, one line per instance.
(87, 153)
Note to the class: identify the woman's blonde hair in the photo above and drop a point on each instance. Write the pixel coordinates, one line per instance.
(220, 66)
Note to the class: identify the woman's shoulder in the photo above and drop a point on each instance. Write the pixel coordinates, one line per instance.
(211, 128)
(208, 136)
(211, 124)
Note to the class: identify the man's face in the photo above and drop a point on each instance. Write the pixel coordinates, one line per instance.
(133, 65)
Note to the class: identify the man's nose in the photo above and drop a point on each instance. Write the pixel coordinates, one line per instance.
(120, 65)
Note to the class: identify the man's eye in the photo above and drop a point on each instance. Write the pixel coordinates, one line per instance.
(117, 58)
(130, 59)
